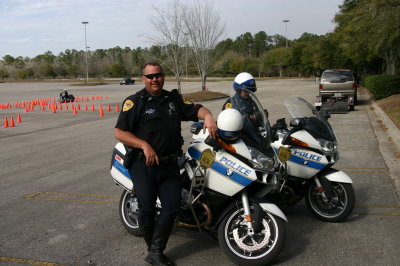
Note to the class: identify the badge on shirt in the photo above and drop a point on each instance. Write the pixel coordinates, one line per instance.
(150, 111)
(127, 105)
(186, 101)
(228, 106)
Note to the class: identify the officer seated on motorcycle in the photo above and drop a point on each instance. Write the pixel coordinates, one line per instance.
(64, 94)
(243, 85)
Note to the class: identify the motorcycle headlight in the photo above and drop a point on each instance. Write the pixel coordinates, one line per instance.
(328, 147)
(261, 161)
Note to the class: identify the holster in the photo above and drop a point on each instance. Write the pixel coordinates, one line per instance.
(130, 155)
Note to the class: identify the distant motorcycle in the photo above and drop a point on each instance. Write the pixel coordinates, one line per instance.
(312, 146)
(68, 98)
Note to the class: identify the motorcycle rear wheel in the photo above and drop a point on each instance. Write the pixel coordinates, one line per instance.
(243, 249)
(128, 213)
(336, 209)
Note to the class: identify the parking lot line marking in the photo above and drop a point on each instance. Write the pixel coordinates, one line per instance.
(363, 168)
(31, 262)
(43, 196)
(366, 172)
(84, 195)
(380, 206)
(359, 148)
(378, 213)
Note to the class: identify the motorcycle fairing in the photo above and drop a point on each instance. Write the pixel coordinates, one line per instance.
(227, 175)
(334, 175)
(304, 163)
(119, 173)
(272, 208)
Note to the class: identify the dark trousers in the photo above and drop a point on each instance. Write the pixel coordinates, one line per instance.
(157, 181)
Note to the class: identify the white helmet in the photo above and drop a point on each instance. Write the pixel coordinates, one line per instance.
(244, 81)
(230, 124)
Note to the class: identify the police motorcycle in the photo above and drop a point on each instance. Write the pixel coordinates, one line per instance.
(313, 150)
(65, 97)
(224, 187)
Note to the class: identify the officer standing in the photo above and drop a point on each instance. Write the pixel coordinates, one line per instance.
(150, 121)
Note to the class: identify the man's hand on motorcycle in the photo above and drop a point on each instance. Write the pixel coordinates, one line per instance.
(211, 125)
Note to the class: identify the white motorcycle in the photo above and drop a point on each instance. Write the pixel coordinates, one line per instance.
(223, 191)
(312, 149)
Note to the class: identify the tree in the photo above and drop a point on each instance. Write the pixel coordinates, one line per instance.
(244, 44)
(370, 28)
(277, 59)
(260, 43)
(205, 28)
(3, 73)
(172, 37)
(8, 59)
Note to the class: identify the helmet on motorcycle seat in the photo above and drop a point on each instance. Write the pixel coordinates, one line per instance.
(244, 81)
(230, 124)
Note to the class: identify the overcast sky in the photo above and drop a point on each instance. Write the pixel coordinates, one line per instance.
(32, 27)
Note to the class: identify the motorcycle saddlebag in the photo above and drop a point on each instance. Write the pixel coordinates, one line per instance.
(119, 173)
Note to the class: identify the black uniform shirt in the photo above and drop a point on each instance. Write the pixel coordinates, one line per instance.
(157, 119)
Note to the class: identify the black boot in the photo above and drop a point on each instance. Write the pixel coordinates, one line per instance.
(147, 231)
(158, 244)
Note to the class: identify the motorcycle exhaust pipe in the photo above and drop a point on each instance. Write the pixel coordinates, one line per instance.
(204, 224)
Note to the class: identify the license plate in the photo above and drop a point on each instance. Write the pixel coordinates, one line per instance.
(338, 94)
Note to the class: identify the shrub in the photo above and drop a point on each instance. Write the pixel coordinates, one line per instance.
(382, 86)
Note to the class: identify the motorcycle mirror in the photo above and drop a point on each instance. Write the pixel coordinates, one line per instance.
(325, 114)
(298, 122)
(213, 143)
(284, 153)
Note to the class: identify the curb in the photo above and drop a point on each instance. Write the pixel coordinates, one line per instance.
(388, 137)
(392, 131)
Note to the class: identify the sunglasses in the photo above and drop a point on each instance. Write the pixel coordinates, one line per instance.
(155, 75)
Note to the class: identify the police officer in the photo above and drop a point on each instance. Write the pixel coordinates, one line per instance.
(243, 84)
(150, 121)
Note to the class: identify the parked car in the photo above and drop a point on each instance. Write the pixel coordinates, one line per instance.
(127, 81)
(337, 85)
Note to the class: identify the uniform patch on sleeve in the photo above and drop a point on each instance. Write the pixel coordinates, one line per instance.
(186, 101)
(228, 106)
(127, 105)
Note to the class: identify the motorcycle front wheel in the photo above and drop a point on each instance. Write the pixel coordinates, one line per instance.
(334, 209)
(128, 213)
(243, 249)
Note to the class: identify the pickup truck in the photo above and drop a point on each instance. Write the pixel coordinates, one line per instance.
(337, 90)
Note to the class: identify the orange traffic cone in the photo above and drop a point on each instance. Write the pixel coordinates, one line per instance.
(5, 122)
(12, 124)
(79, 107)
(101, 112)
(54, 109)
(19, 119)
(75, 112)
(85, 107)
(116, 108)
(109, 108)
(93, 107)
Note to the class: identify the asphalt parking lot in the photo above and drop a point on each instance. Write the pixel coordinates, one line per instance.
(59, 205)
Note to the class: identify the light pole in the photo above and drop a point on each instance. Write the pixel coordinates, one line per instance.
(86, 47)
(286, 22)
(186, 51)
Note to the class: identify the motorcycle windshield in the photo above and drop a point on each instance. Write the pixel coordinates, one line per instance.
(256, 126)
(316, 124)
